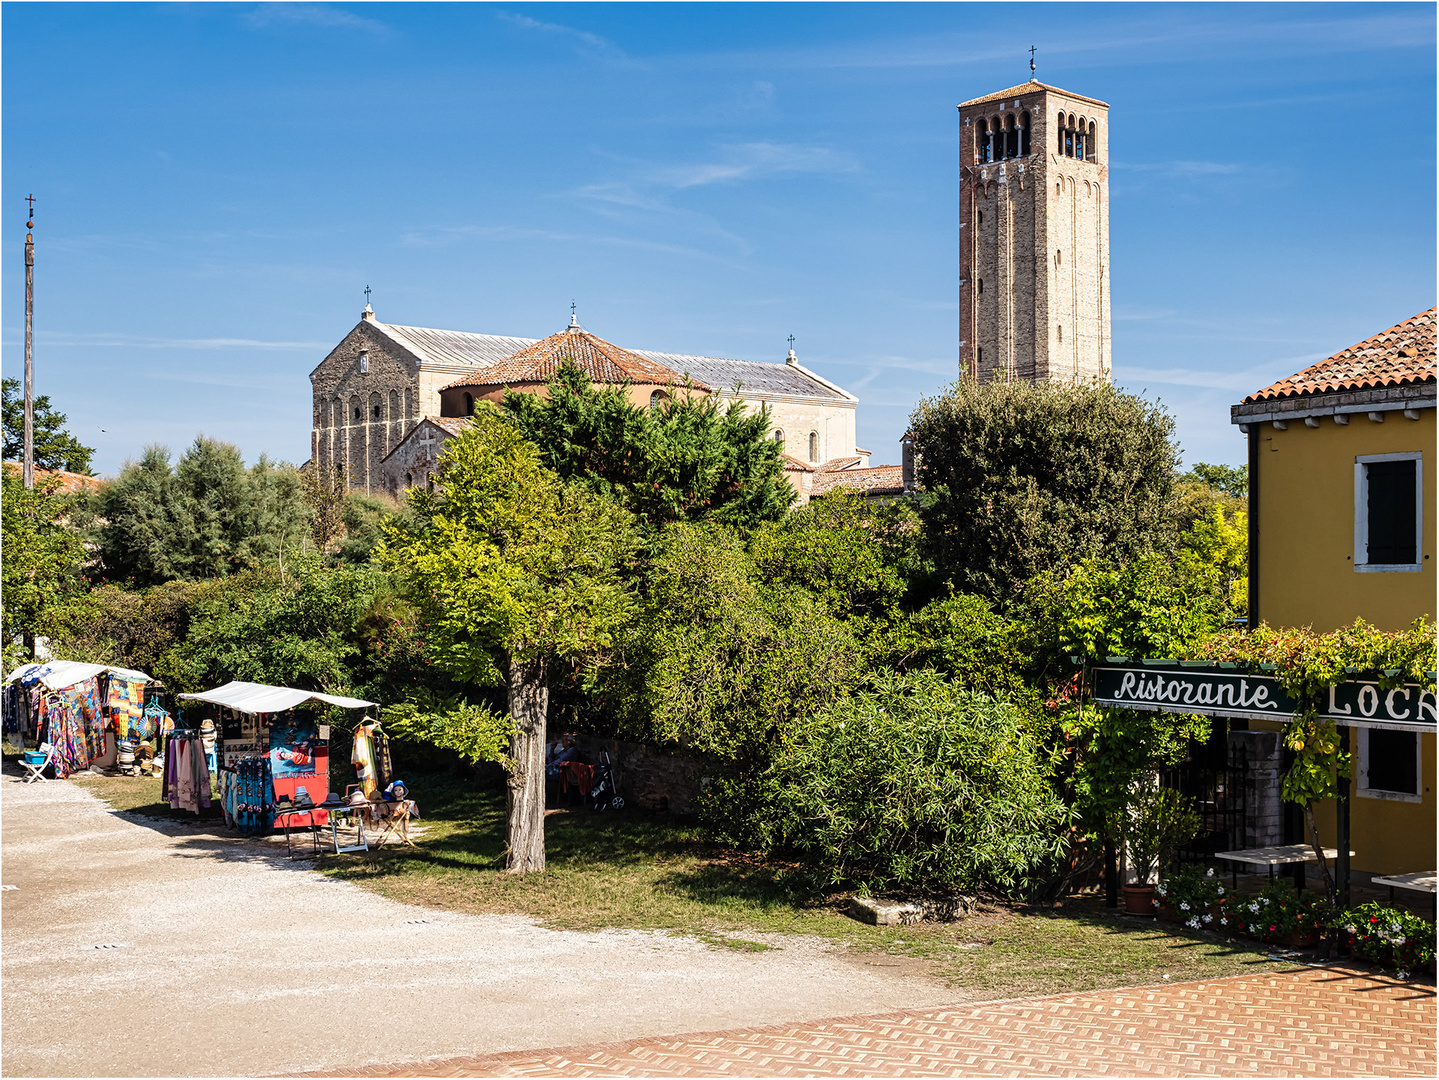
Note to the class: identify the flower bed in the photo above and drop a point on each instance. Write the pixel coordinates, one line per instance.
(1389, 937)
(1191, 896)
(1277, 914)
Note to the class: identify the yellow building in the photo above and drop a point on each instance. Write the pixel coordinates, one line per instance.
(1342, 526)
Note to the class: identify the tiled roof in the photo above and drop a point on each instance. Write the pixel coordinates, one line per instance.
(70, 482)
(754, 377)
(1028, 88)
(836, 464)
(454, 347)
(601, 360)
(453, 424)
(794, 464)
(1400, 356)
(879, 480)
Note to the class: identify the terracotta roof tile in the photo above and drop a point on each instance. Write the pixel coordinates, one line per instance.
(879, 480)
(836, 464)
(602, 361)
(794, 464)
(1400, 356)
(69, 482)
(453, 424)
(1028, 88)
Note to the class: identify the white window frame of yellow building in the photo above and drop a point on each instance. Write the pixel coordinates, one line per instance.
(1363, 789)
(1361, 514)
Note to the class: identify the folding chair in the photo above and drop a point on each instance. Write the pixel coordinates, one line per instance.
(398, 824)
(37, 771)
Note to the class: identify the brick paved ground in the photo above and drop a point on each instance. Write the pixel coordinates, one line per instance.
(1304, 1022)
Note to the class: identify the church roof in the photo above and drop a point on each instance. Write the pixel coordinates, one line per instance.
(603, 361)
(1400, 356)
(1033, 86)
(878, 480)
(453, 346)
(755, 378)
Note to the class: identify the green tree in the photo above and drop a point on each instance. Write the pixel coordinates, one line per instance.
(1018, 478)
(205, 517)
(54, 447)
(1230, 479)
(514, 571)
(40, 568)
(693, 458)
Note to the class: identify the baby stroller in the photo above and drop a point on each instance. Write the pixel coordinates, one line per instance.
(602, 791)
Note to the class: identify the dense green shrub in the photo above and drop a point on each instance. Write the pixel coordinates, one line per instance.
(1019, 478)
(915, 784)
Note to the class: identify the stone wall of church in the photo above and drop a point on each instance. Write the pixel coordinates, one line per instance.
(415, 462)
(362, 407)
(830, 421)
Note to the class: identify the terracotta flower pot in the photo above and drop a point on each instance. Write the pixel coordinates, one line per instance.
(1139, 899)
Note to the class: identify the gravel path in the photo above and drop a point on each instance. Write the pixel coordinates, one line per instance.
(133, 947)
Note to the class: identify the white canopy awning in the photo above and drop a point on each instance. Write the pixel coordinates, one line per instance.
(251, 697)
(58, 674)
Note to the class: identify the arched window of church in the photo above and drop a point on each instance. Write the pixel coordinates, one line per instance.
(394, 405)
(981, 286)
(409, 480)
(1059, 258)
(779, 436)
(469, 405)
(1068, 142)
(1011, 137)
(355, 413)
(1079, 137)
(1024, 149)
(364, 362)
(1061, 334)
(981, 137)
(409, 403)
(377, 409)
(657, 400)
(996, 139)
(1093, 146)
(1059, 126)
(814, 446)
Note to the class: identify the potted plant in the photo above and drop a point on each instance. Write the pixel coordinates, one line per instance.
(1154, 823)
(1191, 895)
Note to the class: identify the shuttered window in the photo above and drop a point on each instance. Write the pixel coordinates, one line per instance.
(1392, 512)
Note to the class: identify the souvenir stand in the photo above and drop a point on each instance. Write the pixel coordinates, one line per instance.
(274, 768)
(82, 716)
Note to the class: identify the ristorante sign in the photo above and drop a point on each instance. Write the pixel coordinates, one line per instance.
(1360, 701)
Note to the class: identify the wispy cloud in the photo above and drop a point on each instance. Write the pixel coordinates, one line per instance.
(751, 161)
(583, 41)
(444, 236)
(136, 341)
(1247, 380)
(325, 16)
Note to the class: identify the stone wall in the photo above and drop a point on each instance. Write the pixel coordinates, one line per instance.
(1263, 818)
(649, 777)
(362, 406)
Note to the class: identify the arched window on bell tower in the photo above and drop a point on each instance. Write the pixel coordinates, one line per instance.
(1092, 144)
(1011, 137)
(1059, 138)
(1024, 148)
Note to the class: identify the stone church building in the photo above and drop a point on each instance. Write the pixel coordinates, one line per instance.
(387, 397)
(1034, 235)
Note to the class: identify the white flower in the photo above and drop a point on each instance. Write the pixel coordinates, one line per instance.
(1209, 918)
(1402, 974)
(1209, 872)
(1351, 929)
(1399, 940)
(1193, 923)
(1184, 906)
(1221, 890)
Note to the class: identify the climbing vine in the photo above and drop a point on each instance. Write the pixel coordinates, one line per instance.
(1306, 665)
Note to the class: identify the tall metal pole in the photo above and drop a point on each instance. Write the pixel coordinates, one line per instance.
(29, 466)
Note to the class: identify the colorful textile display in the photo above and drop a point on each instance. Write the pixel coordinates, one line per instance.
(186, 783)
(362, 757)
(124, 701)
(253, 796)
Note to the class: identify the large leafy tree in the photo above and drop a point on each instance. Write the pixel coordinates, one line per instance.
(206, 516)
(514, 571)
(691, 458)
(1022, 477)
(55, 448)
(40, 569)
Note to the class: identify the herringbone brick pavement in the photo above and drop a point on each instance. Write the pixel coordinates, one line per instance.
(1304, 1022)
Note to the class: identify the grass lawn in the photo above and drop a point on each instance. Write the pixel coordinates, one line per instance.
(639, 872)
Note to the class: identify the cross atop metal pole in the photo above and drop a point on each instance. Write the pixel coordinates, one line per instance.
(367, 296)
(1031, 62)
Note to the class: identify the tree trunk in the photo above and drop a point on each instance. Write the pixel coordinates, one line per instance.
(529, 696)
(1318, 851)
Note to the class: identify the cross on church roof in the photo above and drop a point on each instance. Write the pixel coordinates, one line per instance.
(791, 343)
(367, 296)
(1031, 62)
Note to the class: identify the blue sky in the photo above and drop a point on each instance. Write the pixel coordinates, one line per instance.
(217, 183)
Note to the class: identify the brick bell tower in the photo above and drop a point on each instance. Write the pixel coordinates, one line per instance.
(1034, 235)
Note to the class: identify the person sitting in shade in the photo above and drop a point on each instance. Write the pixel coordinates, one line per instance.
(561, 750)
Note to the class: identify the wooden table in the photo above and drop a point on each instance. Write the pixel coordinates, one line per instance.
(1283, 855)
(1422, 881)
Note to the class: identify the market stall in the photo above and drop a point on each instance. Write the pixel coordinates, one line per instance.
(274, 762)
(88, 715)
